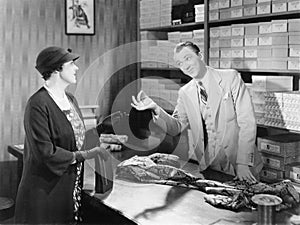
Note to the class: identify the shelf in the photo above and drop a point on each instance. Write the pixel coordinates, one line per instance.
(256, 18)
(278, 128)
(289, 72)
(181, 27)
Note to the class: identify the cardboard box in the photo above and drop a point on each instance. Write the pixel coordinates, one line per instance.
(278, 162)
(293, 172)
(225, 63)
(293, 25)
(214, 32)
(293, 63)
(263, 8)
(279, 26)
(279, 63)
(225, 14)
(214, 15)
(214, 43)
(224, 4)
(249, 2)
(251, 29)
(214, 63)
(237, 53)
(213, 4)
(279, 6)
(225, 42)
(250, 64)
(293, 5)
(294, 51)
(264, 52)
(225, 52)
(264, 63)
(237, 42)
(251, 40)
(280, 39)
(237, 64)
(279, 51)
(249, 10)
(236, 12)
(225, 31)
(294, 38)
(250, 52)
(271, 84)
(214, 53)
(237, 30)
(265, 40)
(236, 3)
(265, 28)
(271, 175)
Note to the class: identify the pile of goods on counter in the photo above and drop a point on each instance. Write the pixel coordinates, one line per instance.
(234, 195)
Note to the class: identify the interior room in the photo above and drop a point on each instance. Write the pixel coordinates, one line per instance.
(150, 112)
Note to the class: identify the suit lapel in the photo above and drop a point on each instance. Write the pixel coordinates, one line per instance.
(214, 91)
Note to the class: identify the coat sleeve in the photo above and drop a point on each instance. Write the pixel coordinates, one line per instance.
(245, 119)
(39, 140)
(176, 123)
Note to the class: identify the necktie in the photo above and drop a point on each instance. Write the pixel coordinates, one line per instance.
(203, 93)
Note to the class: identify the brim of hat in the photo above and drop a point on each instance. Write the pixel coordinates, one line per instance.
(70, 57)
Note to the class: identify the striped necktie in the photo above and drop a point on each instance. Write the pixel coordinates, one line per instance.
(203, 93)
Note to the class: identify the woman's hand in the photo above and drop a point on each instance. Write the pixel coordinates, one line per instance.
(143, 102)
(244, 173)
(112, 142)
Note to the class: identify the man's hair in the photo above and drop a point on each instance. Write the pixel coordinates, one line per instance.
(187, 44)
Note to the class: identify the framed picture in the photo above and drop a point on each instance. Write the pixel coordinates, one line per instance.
(80, 17)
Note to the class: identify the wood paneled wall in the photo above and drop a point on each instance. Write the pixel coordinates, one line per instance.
(27, 26)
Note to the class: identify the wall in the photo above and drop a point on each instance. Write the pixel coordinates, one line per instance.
(26, 27)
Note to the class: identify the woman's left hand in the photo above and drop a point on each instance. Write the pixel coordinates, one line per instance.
(244, 173)
(112, 142)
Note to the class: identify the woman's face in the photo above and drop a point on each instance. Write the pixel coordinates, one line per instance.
(69, 72)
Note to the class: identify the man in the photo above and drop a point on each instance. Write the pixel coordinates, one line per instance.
(216, 105)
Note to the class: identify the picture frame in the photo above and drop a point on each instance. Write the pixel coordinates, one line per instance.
(80, 17)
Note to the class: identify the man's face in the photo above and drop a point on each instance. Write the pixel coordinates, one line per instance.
(189, 62)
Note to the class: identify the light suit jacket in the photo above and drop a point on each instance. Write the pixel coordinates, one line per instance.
(232, 112)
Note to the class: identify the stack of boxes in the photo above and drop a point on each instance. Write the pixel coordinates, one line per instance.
(225, 9)
(199, 13)
(157, 47)
(163, 91)
(155, 13)
(271, 45)
(279, 153)
(263, 85)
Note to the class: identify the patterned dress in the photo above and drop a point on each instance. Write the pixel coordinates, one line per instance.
(79, 132)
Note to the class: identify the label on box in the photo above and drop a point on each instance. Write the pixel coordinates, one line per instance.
(270, 148)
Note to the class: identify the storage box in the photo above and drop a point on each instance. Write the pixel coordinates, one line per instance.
(236, 12)
(279, 51)
(293, 172)
(293, 25)
(214, 43)
(213, 4)
(225, 31)
(264, 52)
(277, 162)
(263, 8)
(271, 175)
(272, 83)
(280, 39)
(236, 3)
(264, 63)
(251, 40)
(294, 51)
(237, 64)
(225, 52)
(224, 14)
(293, 5)
(224, 4)
(237, 30)
(279, 26)
(279, 63)
(294, 38)
(214, 53)
(249, 2)
(265, 28)
(214, 32)
(249, 10)
(225, 63)
(214, 63)
(214, 15)
(237, 52)
(225, 42)
(250, 52)
(237, 42)
(265, 40)
(279, 6)
(251, 29)
(250, 64)
(293, 63)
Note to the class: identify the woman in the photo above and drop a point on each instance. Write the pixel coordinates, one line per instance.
(50, 188)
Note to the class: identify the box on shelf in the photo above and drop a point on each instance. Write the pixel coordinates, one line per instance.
(279, 63)
(265, 28)
(214, 15)
(294, 38)
(214, 52)
(279, 51)
(264, 63)
(250, 52)
(249, 2)
(287, 144)
(225, 31)
(293, 172)
(224, 4)
(237, 42)
(225, 63)
(264, 52)
(265, 39)
(214, 42)
(263, 8)
(251, 40)
(293, 25)
(237, 64)
(280, 39)
(236, 12)
(225, 52)
(249, 10)
(251, 29)
(213, 4)
(224, 14)
(279, 6)
(250, 64)
(293, 63)
(237, 30)
(272, 83)
(234, 3)
(279, 26)
(293, 5)
(294, 50)
(278, 162)
(237, 53)
(271, 175)
(225, 42)
(260, 1)
(214, 63)
(214, 32)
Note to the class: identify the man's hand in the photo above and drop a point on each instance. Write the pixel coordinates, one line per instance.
(244, 173)
(143, 102)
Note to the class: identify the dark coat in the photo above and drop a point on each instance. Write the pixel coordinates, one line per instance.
(45, 191)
